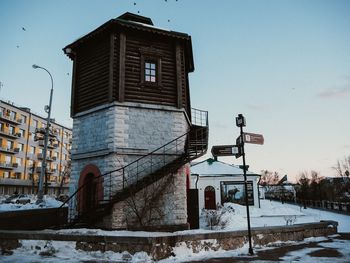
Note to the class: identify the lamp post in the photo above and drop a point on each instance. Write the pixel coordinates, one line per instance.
(46, 138)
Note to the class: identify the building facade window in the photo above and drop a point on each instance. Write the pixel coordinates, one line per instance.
(22, 132)
(7, 159)
(150, 72)
(13, 115)
(19, 161)
(32, 150)
(151, 67)
(6, 174)
(9, 144)
(20, 147)
(12, 130)
(24, 118)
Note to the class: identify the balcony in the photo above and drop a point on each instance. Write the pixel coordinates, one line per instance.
(51, 145)
(42, 131)
(48, 158)
(7, 166)
(39, 137)
(10, 135)
(8, 119)
(51, 171)
(9, 150)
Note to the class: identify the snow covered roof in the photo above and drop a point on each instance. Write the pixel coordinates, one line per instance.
(211, 167)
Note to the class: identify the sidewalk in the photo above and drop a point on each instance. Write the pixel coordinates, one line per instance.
(331, 249)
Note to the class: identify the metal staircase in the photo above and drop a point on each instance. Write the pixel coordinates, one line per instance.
(126, 181)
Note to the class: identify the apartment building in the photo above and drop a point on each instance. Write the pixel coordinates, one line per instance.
(21, 151)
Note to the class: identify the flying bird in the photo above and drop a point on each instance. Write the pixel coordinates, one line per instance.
(134, 3)
(24, 29)
(17, 46)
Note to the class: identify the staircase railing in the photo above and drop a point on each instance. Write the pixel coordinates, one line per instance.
(118, 184)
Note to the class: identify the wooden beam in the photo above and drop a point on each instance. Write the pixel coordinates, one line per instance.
(73, 101)
(178, 75)
(111, 68)
(122, 51)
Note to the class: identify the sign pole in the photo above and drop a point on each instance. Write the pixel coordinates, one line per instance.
(241, 124)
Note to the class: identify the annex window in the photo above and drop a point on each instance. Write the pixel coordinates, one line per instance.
(150, 72)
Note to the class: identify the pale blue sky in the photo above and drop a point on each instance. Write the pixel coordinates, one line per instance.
(284, 64)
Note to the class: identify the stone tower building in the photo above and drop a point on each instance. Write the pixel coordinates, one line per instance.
(133, 131)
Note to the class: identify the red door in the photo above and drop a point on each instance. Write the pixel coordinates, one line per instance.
(209, 198)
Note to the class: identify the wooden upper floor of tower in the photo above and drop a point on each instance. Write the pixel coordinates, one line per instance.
(127, 59)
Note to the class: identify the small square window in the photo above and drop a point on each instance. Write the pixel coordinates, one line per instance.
(150, 72)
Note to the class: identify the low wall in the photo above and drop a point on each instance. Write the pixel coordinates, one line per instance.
(161, 246)
(33, 219)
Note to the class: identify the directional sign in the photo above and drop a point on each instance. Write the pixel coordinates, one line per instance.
(253, 138)
(225, 150)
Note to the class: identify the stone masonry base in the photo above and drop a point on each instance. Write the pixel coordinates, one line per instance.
(162, 246)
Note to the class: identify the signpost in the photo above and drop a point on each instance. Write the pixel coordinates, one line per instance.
(253, 138)
(226, 150)
(237, 150)
(243, 138)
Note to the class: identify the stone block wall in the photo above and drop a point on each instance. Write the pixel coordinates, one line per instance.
(115, 135)
(159, 206)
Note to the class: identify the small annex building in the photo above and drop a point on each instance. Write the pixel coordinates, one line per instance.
(218, 182)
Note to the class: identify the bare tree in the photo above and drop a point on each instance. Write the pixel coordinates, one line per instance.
(342, 167)
(143, 208)
(269, 177)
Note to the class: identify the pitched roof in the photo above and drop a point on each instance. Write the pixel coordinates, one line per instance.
(135, 22)
(211, 167)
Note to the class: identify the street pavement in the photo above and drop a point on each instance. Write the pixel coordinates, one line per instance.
(331, 249)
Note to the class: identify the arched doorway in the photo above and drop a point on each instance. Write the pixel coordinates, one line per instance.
(209, 198)
(91, 188)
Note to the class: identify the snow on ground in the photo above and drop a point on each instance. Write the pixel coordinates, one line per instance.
(48, 202)
(63, 251)
(270, 214)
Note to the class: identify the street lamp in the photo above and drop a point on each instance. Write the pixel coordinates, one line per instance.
(46, 138)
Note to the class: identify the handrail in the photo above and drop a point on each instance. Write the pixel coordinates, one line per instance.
(145, 166)
(125, 167)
